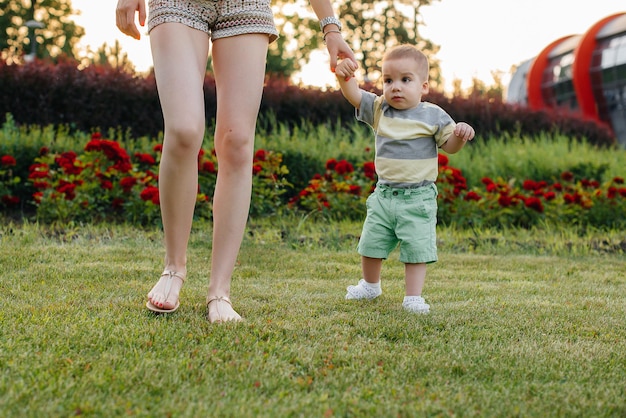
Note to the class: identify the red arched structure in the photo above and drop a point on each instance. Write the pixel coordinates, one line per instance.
(580, 69)
(535, 75)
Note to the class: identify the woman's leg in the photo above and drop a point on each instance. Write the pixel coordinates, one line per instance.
(180, 55)
(239, 66)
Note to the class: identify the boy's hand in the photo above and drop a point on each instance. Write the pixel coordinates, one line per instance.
(346, 69)
(464, 132)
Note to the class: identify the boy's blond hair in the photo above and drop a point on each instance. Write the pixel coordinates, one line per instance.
(409, 51)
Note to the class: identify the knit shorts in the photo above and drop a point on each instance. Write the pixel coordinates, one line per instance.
(218, 18)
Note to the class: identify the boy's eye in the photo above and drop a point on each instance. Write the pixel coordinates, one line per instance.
(406, 79)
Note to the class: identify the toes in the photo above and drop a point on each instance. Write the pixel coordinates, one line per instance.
(221, 311)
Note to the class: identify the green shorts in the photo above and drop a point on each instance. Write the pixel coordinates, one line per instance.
(404, 216)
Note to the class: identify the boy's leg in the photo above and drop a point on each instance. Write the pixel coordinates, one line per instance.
(369, 286)
(371, 268)
(415, 276)
(180, 54)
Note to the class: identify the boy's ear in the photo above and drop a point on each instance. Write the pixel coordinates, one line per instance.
(425, 87)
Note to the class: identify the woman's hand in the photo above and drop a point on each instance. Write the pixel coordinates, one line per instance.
(338, 48)
(125, 16)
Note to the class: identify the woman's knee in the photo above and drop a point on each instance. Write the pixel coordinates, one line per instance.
(235, 149)
(183, 137)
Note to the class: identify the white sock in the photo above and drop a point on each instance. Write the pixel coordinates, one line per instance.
(409, 299)
(372, 285)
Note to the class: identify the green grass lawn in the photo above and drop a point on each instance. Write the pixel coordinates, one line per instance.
(522, 323)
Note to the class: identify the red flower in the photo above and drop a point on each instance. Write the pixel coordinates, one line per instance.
(618, 180)
(472, 196)
(256, 169)
(38, 171)
(486, 181)
(505, 201)
(41, 184)
(534, 203)
(67, 162)
(150, 193)
(572, 198)
(567, 176)
(106, 184)
(343, 167)
(43, 151)
(330, 164)
(369, 170)
(158, 148)
(145, 158)
(7, 161)
(209, 167)
(127, 183)
(113, 151)
(355, 189)
(549, 195)
(260, 155)
(442, 159)
(529, 185)
(67, 188)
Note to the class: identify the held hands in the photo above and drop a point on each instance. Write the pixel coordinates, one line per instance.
(346, 69)
(464, 132)
(125, 16)
(338, 48)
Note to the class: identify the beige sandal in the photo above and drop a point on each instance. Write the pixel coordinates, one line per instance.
(220, 309)
(168, 286)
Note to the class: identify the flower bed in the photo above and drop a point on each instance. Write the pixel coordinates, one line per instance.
(105, 183)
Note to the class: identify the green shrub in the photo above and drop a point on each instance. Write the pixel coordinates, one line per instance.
(103, 98)
(325, 169)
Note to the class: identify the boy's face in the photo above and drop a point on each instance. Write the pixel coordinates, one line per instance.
(402, 86)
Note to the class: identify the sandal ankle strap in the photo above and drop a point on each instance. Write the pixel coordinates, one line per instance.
(219, 298)
(172, 273)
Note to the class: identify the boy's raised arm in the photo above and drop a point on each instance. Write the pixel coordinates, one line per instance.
(349, 87)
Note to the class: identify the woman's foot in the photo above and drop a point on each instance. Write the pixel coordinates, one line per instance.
(220, 309)
(163, 298)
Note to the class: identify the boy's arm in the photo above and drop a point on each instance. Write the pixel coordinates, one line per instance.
(347, 83)
(462, 133)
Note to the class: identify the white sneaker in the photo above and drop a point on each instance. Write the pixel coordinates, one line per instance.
(363, 290)
(415, 304)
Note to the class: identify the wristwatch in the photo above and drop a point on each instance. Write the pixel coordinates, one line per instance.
(330, 20)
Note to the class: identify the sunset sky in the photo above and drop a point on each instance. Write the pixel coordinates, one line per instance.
(476, 37)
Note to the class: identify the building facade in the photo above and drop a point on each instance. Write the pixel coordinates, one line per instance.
(584, 73)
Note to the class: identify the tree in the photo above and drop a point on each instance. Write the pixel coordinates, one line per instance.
(374, 27)
(370, 27)
(299, 35)
(109, 56)
(57, 36)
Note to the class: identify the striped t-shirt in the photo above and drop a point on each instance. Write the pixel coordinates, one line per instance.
(407, 141)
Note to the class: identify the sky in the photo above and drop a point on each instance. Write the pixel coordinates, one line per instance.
(477, 37)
